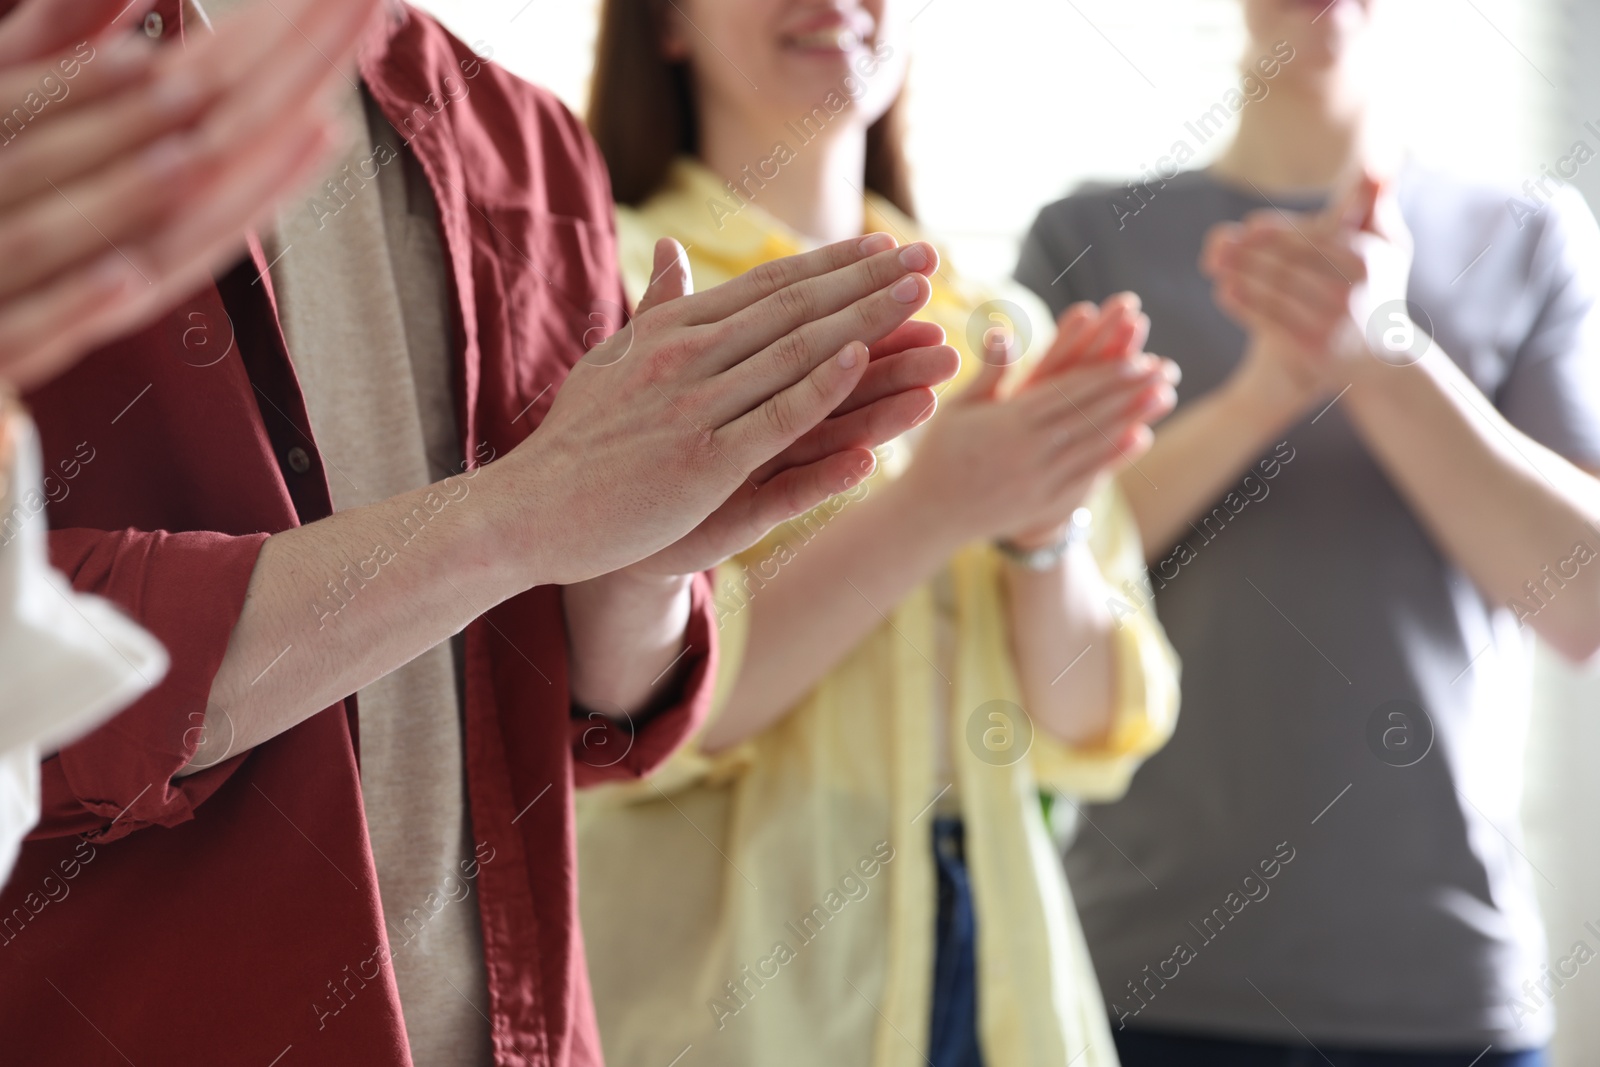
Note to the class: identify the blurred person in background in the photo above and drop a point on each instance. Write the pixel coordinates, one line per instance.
(851, 858)
(94, 128)
(291, 487)
(1377, 486)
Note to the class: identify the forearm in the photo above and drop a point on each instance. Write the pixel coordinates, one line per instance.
(337, 604)
(1061, 640)
(827, 596)
(1201, 450)
(624, 633)
(1506, 509)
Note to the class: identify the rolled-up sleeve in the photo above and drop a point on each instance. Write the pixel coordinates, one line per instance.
(1146, 675)
(646, 746)
(188, 590)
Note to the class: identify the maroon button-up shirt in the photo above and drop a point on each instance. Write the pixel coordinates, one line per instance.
(232, 916)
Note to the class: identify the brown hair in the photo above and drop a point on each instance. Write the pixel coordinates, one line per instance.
(642, 112)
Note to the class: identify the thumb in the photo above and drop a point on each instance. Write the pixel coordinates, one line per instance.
(669, 276)
(1352, 208)
(998, 355)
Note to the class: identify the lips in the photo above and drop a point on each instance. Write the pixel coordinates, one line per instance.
(838, 39)
(831, 31)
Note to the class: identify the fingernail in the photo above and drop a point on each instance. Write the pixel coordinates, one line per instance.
(1174, 372)
(906, 290)
(874, 243)
(847, 358)
(914, 257)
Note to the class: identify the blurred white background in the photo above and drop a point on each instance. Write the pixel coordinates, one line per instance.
(1013, 102)
(1013, 108)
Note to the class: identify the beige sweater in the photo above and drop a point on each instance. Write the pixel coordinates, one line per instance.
(359, 275)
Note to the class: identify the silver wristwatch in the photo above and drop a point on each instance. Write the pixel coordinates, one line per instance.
(1048, 557)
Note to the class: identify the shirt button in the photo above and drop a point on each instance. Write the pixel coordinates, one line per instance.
(299, 461)
(153, 24)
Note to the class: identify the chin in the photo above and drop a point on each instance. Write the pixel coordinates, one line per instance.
(806, 77)
(1322, 32)
(854, 84)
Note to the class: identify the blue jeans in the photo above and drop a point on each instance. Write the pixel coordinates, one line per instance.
(1147, 1048)
(953, 1035)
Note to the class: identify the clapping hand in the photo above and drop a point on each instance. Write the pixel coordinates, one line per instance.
(1320, 294)
(141, 168)
(1015, 463)
(712, 416)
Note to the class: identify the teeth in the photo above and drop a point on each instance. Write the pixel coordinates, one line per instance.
(841, 38)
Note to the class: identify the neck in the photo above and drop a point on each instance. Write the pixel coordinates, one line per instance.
(814, 187)
(1305, 135)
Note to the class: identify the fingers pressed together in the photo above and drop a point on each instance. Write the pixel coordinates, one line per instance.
(145, 165)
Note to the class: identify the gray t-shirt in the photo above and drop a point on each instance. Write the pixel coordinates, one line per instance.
(1324, 869)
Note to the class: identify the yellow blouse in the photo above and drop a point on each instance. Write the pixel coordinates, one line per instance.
(775, 904)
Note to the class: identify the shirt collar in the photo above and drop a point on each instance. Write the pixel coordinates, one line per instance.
(709, 217)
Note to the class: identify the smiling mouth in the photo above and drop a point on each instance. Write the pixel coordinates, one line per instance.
(831, 39)
(831, 33)
(827, 39)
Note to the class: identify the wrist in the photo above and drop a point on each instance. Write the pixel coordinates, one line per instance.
(637, 586)
(1045, 549)
(1373, 379)
(645, 612)
(514, 535)
(1261, 401)
(1018, 575)
(1035, 537)
(920, 514)
(625, 632)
